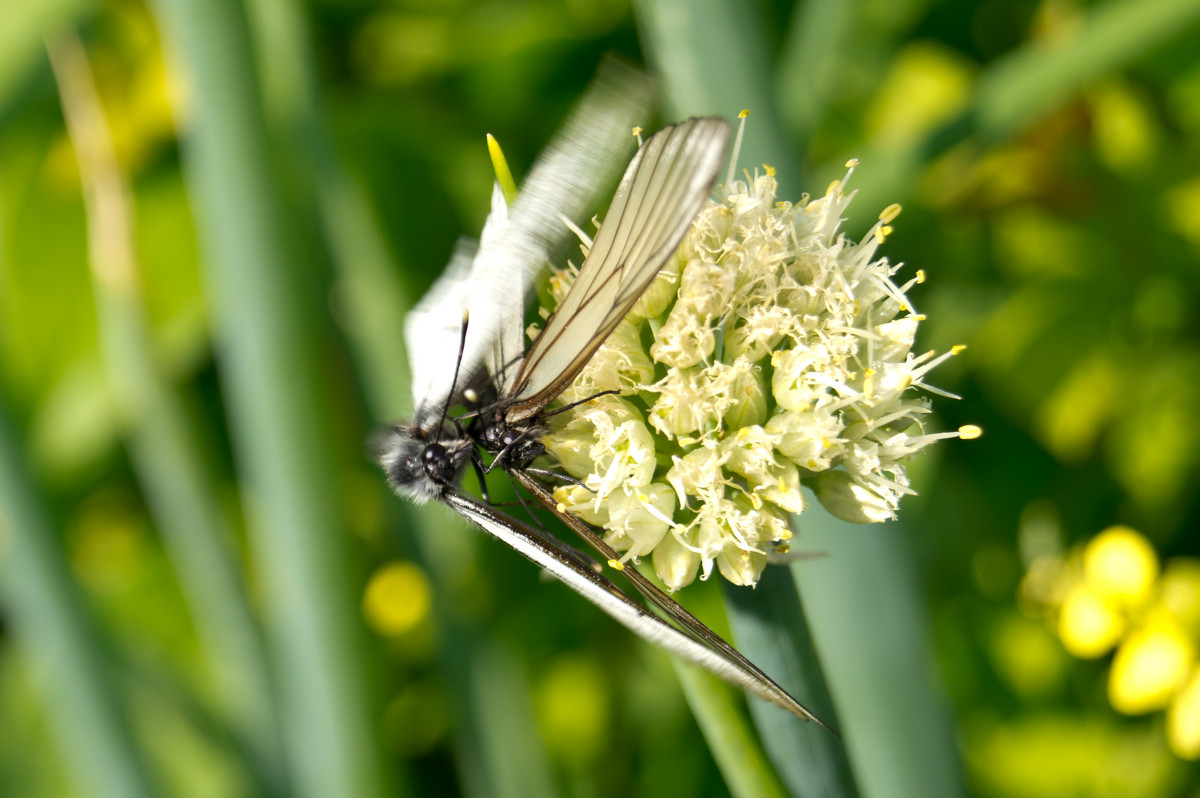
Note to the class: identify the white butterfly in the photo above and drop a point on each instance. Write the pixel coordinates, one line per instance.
(477, 308)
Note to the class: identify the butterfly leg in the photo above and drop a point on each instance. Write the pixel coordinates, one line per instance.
(481, 475)
(570, 480)
(583, 401)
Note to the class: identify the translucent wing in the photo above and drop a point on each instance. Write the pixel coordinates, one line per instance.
(658, 198)
(564, 564)
(433, 330)
(568, 180)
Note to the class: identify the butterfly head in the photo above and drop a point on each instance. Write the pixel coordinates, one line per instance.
(420, 464)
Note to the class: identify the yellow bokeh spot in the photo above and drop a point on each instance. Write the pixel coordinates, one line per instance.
(397, 598)
(1123, 125)
(573, 709)
(1149, 667)
(1120, 565)
(1183, 720)
(1078, 410)
(1087, 624)
(1027, 656)
(1183, 209)
(1179, 591)
(926, 85)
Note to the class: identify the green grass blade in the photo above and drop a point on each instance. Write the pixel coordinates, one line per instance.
(375, 300)
(1017, 89)
(710, 56)
(731, 739)
(770, 627)
(815, 40)
(865, 608)
(1110, 36)
(276, 406)
(498, 743)
(51, 624)
(163, 446)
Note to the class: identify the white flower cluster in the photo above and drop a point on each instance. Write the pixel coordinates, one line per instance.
(770, 353)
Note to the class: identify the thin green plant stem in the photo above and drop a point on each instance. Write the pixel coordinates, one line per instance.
(492, 735)
(1021, 87)
(710, 56)
(276, 405)
(1110, 36)
(53, 627)
(731, 739)
(770, 626)
(372, 296)
(162, 445)
(863, 600)
(806, 74)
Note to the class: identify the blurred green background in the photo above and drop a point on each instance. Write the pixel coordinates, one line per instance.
(205, 588)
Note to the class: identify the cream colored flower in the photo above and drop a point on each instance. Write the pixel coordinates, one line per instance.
(771, 353)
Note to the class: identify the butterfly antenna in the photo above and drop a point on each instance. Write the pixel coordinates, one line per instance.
(462, 347)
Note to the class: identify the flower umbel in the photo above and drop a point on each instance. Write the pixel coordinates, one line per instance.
(771, 352)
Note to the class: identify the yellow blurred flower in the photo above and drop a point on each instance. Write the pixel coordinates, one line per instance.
(1120, 565)
(1183, 719)
(1109, 592)
(1179, 592)
(1087, 624)
(397, 598)
(1150, 666)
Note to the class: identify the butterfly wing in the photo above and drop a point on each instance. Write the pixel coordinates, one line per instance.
(570, 568)
(688, 623)
(568, 181)
(490, 283)
(663, 189)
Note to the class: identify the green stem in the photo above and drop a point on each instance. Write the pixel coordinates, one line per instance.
(276, 406)
(866, 610)
(50, 622)
(498, 744)
(163, 447)
(731, 739)
(814, 48)
(770, 627)
(712, 60)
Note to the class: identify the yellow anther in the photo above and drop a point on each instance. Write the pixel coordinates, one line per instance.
(889, 214)
(637, 131)
(920, 276)
(957, 348)
(745, 113)
(969, 432)
(853, 162)
(616, 565)
(770, 169)
(560, 507)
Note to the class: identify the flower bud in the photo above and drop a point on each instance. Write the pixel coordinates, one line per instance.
(851, 501)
